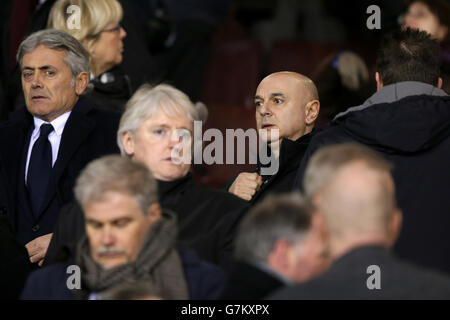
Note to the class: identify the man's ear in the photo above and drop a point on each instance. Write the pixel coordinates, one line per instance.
(277, 258)
(394, 227)
(440, 82)
(379, 81)
(128, 143)
(312, 109)
(154, 212)
(81, 82)
(319, 229)
(319, 226)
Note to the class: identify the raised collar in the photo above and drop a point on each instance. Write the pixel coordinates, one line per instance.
(395, 92)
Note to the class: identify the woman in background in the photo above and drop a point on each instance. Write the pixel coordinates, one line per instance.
(433, 16)
(342, 81)
(102, 35)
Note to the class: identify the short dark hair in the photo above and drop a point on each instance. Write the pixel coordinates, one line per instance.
(408, 55)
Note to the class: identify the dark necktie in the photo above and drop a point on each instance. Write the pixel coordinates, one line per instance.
(40, 168)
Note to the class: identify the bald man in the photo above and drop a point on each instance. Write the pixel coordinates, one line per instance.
(286, 107)
(354, 195)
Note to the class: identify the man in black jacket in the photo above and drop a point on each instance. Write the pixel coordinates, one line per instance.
(46, 146)
(354, 195)
(408, 122)
(129, 238)
(275, 247)
(286, 106)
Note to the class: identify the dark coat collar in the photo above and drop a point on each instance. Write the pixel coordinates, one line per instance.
(291, 153)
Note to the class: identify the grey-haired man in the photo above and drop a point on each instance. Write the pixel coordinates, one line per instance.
(46, 145)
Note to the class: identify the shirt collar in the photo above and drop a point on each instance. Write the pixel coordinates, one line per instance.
(58, 123)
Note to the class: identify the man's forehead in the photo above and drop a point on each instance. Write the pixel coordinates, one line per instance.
(178, 120)
(111, 206)
(43, 55)
(277, 85)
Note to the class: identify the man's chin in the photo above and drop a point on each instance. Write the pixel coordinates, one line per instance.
(171, 171)
(40, 110)
(270, 141)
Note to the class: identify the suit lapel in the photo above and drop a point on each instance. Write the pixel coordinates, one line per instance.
(77, 129)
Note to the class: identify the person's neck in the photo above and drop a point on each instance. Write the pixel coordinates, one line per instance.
(98, 71)
(307, 130)
(275, 148)
(50, 117)
(340, 247)
(166, 187)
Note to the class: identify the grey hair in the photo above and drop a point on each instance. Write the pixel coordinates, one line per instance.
(325, 163)
(116, 174)
(148, 101)
(77, 57)
(285, 216)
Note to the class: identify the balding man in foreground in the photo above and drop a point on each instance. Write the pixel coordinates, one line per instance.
(286, 106)
(354, 195)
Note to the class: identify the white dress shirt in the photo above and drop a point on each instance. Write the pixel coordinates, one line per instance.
(54, 137)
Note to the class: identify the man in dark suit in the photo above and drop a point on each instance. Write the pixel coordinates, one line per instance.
(275, 247)
(354, 195)
(46, 146)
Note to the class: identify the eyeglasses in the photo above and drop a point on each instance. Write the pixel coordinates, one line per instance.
(115, 29)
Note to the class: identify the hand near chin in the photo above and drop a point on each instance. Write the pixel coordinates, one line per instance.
(246, 185)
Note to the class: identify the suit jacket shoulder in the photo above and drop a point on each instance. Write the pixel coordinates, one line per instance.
(350, 278)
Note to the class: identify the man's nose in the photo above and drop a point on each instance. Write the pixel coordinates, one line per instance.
(175, 138)
(36, 81)
(264, 110)
(107, 236)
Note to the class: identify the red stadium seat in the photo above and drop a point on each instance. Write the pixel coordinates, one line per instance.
(299, 56)
(224, 117)
(233, 73)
